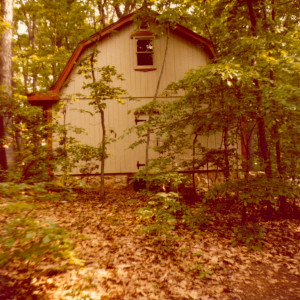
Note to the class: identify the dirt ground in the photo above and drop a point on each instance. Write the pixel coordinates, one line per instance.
(120, 263)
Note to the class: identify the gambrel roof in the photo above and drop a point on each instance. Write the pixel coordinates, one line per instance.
(52, 96)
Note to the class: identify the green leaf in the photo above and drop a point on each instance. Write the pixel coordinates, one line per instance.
(46, 239)
(29, 235)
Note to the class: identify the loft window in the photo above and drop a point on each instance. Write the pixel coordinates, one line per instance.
(144, 52)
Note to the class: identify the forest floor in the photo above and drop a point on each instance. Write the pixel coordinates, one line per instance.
(120, 263)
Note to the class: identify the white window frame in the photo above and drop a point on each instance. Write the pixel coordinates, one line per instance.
(144, 68)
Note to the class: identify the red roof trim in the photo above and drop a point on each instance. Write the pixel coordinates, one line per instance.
(42, 99)
(83, 45)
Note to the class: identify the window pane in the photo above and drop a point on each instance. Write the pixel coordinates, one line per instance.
(144, 59)
(144, 46)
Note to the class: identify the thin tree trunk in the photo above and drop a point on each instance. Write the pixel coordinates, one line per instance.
(278, 155)
(262, 140)
(103, 145)
(3, 160)
(7, 155)
(275, 127)
(193, 163)
(263, 145)
(32, 41)
(225, 137)
(103, 15)
(154, 100)
(103, 141)
(226, 154)
(249, 145)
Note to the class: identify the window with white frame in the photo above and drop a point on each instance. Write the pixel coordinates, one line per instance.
(144, 52)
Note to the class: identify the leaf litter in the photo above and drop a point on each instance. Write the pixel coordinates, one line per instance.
(121, 263)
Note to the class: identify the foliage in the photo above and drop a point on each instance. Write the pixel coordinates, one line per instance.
(157, 178)
(198, 268)
(27, 135)
(251, 235)
(247, 96)
(45, 41)
(11, 189)
(256, 192)
(70, 154)
(50, 190)
(165, 212)
(27, 240)
(203, 273)
(30, 137)
(86, 154)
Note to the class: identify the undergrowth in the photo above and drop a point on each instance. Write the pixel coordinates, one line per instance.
(165, 213)
(25, 239)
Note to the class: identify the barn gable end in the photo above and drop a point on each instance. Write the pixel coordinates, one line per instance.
(117, 45)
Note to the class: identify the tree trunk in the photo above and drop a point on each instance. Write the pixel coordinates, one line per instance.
(226, 154)
(263, 146)
(103, 152)
(128, 8)
(3, 160)
(225, 130)
(102, 13)
(103, 141)
(262, 140)
(32, 41)
(7, 157)
(193, 163)
(154, 99)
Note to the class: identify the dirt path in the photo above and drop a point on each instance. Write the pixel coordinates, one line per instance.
(122, 264)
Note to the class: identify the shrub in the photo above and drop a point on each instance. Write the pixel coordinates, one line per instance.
(165, 212)
(26, 239)
(251, 235)
(255, 192)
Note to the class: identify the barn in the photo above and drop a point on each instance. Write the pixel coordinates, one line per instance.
(137, 52)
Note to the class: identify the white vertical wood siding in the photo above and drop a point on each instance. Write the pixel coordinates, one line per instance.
(119, 50)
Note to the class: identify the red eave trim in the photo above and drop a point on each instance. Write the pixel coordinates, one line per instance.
(39, 97)
(42, 99)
